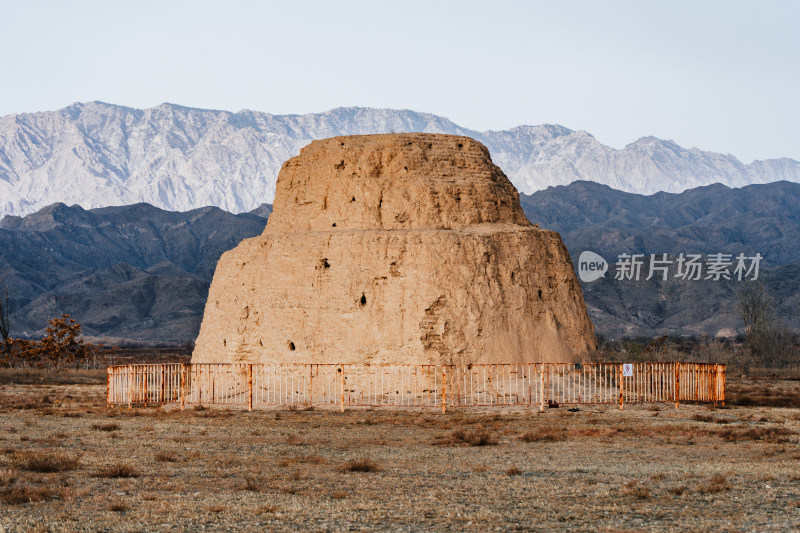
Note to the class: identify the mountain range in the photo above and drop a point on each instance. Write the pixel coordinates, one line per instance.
(178, 158)
(715, 219)
(138, 272)
(130, 272)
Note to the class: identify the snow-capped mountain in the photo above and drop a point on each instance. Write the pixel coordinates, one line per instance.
(178, 158)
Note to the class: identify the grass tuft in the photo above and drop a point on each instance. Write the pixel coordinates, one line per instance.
(46, 463)
(717, 483)
(166, 457)
(544, 434)
(22, 494)
(116, 471)
(459, 437)
(105, 427)
(634, 490)
(364, 464)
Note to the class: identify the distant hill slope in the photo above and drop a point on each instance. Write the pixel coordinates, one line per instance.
(712, 219)
(134, 271)
(178, 158)
(138, 272)
(761, 219)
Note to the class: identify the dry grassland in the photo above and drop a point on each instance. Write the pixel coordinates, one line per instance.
(67, 463)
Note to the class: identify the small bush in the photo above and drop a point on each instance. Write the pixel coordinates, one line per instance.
(677, 491)
(717, 483)
(46, 462)
(119, 507)
(252, 484)
(513, 471)
(105, 427)
(634, 490)
(166, 457)
(478, 437)
(365, 464)
(7, 477)
(22, 494)
(294, 440)
(116, 471)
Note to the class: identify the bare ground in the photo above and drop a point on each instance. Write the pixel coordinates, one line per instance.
(67, 463)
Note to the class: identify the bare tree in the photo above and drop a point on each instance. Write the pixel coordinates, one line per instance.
(767, 337)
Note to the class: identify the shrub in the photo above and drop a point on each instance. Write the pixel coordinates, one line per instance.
(23, 494)
(479, 437)
(365, 464)
(105, 427)
(116, 471)
(46, 462)
(717, 483)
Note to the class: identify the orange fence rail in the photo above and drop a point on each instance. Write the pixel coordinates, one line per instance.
(426, 386)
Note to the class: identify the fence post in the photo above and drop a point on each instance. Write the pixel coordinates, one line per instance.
(541, 388)
(108, 387)
(722, 386)
(677, 385)
(713, 384)
(342, 404)
(183, 386)
(130, 386)
(250, 387)
(621, 380)
(444, 392)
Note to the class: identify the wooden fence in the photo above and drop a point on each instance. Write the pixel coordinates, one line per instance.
(426, 386)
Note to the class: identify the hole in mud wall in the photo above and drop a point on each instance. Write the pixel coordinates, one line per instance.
(512, 276)
(460, 145)
(290, 346)
(324, 263)
(540, 294)
(224, 342)
(260, 343)
(363, 300)
(353, 199)
(333, 225)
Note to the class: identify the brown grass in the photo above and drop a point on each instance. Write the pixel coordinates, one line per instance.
(45, 462)
(7, 477)
(262, 482)
(544, 434)
(294, 440)
(717, 483)
(166, 457)
(105, 427)
(766, 434)
(35, 376)
(364, 464)
(459, 437)
(116, 471)
(22, 494)
(635, 490)
(119, 506)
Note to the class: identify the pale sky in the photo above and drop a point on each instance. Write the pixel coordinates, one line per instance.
(718, 75)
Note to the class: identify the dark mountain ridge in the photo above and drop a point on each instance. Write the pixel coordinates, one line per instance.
(141, 273)
(122, 271)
